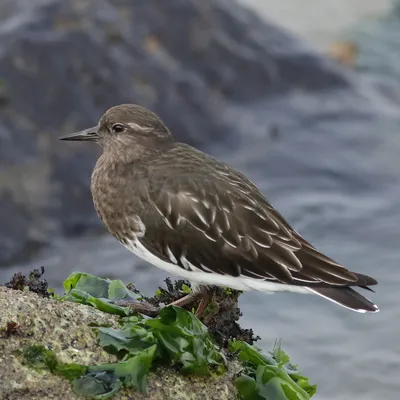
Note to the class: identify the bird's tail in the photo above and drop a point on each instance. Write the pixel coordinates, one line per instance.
(346, 297)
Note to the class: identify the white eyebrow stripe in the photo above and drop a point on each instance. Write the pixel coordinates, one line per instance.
(138, 127)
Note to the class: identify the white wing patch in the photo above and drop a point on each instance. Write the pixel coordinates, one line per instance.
(171, 256)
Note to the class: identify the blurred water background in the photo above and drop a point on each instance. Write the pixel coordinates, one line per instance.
(335, 178)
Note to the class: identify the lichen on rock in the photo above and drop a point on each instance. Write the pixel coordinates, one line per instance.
(65, 329)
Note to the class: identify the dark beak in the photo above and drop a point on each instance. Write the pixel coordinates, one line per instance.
(91, 134)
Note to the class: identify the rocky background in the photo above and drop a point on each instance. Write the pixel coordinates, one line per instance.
(64, 62)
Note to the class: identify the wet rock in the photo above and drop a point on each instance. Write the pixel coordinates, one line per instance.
(27, 320)
(63, 62)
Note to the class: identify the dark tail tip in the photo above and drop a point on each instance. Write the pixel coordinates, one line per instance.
(365, 280)
(346, 297)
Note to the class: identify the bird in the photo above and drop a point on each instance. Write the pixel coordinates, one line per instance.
(192, 215)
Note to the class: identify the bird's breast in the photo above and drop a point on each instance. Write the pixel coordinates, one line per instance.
(116, 202)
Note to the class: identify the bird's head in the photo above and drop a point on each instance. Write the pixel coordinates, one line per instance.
(126, 127)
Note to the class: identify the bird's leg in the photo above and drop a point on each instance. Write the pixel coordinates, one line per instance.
(186, 300)
(142, 307)
(204, 302)
(204, 295)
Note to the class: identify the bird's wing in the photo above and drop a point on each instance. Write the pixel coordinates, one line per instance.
(222, 223)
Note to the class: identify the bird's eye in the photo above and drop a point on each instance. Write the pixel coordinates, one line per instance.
(117, 128)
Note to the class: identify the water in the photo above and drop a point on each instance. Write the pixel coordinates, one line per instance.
(339, 186)
(319, 21)
(347, 208)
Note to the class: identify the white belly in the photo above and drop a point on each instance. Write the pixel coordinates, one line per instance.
(204, 278)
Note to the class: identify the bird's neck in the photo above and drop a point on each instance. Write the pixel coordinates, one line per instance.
(119, 153)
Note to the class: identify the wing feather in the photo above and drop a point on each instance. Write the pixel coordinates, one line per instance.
(224, 224)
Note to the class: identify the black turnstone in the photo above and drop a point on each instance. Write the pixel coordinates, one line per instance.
(194, 216)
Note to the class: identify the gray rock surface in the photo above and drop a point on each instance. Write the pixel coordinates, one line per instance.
(63, 62)
(63, 328)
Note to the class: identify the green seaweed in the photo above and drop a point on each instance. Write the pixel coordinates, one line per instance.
(176, 337)
(180, 338)
(103, 381)
(38, 357)
(269, 376)
(99, 381)
(100, 293)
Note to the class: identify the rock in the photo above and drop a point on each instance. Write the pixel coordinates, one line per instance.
(63, 62)
(27, 319)
(344, 52)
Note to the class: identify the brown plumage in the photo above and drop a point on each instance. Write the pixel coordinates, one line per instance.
(204, 220)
